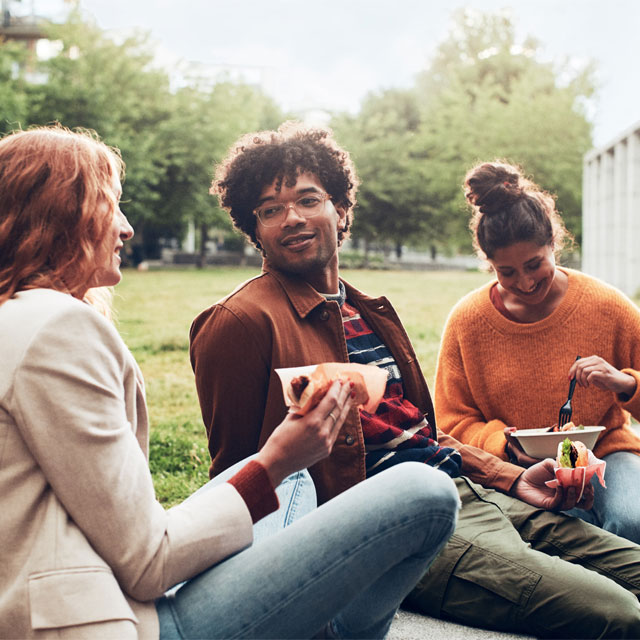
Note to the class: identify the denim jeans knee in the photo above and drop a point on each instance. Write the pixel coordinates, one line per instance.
(297, 497)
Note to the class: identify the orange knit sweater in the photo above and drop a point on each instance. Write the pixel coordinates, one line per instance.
(493, 372)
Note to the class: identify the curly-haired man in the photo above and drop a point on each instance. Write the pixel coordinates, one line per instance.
(512, 563)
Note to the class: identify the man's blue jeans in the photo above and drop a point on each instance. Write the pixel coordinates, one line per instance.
(350, 561)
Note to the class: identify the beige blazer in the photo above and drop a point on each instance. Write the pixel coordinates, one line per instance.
(85, 548)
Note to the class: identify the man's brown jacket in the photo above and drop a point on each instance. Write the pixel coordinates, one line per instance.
(275, 320)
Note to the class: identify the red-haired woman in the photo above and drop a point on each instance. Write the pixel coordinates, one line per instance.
(509, 349)
(87, 551)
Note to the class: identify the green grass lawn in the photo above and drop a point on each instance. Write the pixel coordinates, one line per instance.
(154, 312)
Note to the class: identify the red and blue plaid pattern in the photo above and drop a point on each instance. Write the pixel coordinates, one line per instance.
(397, 431)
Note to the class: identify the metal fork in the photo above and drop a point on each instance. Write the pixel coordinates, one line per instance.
(565, 410)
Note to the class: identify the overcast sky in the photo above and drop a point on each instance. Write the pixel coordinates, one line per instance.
(330, 53)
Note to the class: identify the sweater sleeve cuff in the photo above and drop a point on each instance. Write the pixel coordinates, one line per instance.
(631, 403)
(253, 484)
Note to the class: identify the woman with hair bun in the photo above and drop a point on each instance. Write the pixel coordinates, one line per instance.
(87, 551)
(509, 349)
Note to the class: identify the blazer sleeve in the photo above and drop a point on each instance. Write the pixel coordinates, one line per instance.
(69, 405)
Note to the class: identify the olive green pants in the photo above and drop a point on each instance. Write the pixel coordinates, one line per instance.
(512, 567)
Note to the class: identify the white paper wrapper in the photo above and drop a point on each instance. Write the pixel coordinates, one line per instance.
(374, 380)
(288, 374)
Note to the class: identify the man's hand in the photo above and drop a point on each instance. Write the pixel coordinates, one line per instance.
(530, 487)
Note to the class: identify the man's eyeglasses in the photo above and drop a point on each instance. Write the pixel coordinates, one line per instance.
(308, 205)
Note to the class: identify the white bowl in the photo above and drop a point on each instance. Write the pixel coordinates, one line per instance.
(540, 443)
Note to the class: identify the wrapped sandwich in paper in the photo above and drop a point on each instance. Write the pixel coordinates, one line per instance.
(576, 465)
(304, 387)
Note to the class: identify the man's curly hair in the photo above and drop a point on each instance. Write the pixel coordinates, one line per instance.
(259, 159)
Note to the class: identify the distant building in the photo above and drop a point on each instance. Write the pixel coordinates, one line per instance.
(611, 212)
(27, 29)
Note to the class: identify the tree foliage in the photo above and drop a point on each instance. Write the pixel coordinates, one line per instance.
(202, 126)
(484, 96)
(169, 139)
(97, 83)
(378, 141)
(13, 98)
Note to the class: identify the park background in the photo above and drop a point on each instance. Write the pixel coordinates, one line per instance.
(417, 91)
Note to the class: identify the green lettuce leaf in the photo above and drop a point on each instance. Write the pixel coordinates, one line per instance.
(565, 457)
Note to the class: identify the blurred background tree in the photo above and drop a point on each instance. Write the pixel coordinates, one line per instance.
(484, 96)
(170, 139)
(13, 96)
(202, 126)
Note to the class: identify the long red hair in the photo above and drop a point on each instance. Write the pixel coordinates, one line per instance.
(53, 182)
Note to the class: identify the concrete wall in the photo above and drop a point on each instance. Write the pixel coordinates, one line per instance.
(611, 212)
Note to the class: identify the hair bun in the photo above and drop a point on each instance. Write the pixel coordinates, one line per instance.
(492, 187)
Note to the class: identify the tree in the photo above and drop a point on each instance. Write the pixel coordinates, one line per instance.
(486, 96)
(202, 126)
(97, 83)
(394, 208)
(169, 140)
(13, 99)
(113, 88)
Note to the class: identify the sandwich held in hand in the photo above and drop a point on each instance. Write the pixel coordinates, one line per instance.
(575, 466)
(572, 454)
(304, 387)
